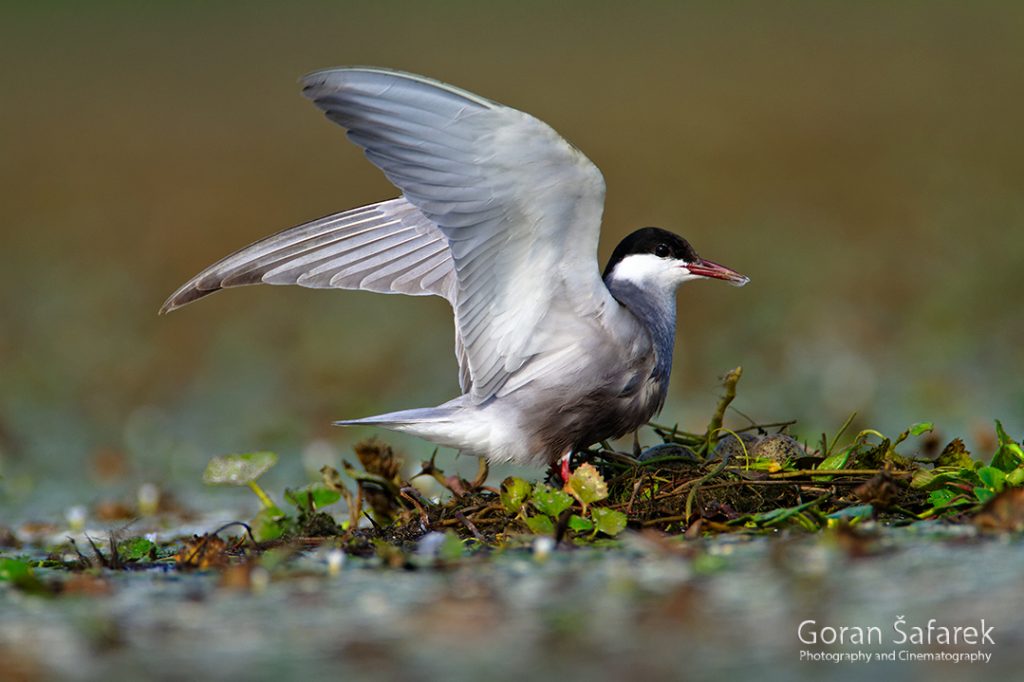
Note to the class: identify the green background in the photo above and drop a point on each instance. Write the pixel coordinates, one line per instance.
(862, 163)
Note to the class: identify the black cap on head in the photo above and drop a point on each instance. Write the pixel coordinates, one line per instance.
(653, 240)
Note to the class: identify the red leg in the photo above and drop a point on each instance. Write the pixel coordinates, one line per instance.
(564, 461)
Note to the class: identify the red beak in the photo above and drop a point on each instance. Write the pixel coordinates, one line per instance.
(706, 268)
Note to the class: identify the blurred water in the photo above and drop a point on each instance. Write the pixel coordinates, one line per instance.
(729, 607)
(862, 164)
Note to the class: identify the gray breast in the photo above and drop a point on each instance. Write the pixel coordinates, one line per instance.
(616, 390)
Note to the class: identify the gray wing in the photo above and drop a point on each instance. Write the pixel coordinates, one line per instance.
(520, 207)
(389, 247)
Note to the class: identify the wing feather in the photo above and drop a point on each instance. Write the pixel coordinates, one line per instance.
(499, 215)
(388, 247)
(520, 209)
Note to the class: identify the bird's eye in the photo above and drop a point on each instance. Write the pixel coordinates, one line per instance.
(661, 250)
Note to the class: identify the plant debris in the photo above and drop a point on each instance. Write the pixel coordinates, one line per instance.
(755, 479)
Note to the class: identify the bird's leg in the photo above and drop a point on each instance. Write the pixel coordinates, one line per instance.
(564, 464)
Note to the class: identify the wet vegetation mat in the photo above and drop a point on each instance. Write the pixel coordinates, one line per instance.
(634, 533)
(757, 479)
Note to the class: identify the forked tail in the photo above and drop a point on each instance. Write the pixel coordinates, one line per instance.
(421, 415)
(448, 425)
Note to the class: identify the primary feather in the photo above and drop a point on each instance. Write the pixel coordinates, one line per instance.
(389, 247)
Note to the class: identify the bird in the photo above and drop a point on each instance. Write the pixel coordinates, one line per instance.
(499, 215)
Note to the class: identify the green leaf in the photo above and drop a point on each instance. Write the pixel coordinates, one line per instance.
(1009, 454)
(920, 427)
(1015, 477)
(452, 549)
(939, 477)
(1001, 433)
(269, 524)
(837, 460)
(774, 516)
(580, 524)
(923, 479)
(14, 570)
(550, 501)
(608, 521)
(860, 512)
(19, 574)
(316, 494)
(913, 430)
(238, 469)
(136, 549)
(955, 454)
(323, 496)
(983, 494)
(871, 456)
(514, 492)
(769, 464)
(540, 525)
(941, 498)
(587, 484)
(992, 478)
(947, 499)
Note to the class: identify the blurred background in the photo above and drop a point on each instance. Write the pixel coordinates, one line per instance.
(863, 163)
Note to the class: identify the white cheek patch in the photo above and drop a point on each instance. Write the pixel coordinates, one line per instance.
(646, 269)
(640, 268)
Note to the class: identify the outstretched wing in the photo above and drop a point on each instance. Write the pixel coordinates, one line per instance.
(390, 247)
(520, 208)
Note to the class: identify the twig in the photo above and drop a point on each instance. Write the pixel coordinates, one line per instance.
(362, 477)
(248, 530)
(717, 470)
(472, 528)
(613, 457)
(729, 381)
(668, 459)
(562, 525)
(832, 472)
(373, 522)
(763, 482)
(770, 425)
(355, 510)
(412, 494)
(481, 475)
(632, 497)
(85, 561)
(106, 563)
(674, 435)
(679, 518)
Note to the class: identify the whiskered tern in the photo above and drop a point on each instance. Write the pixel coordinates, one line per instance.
(500, 216)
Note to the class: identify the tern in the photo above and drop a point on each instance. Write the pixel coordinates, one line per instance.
(500, 216)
